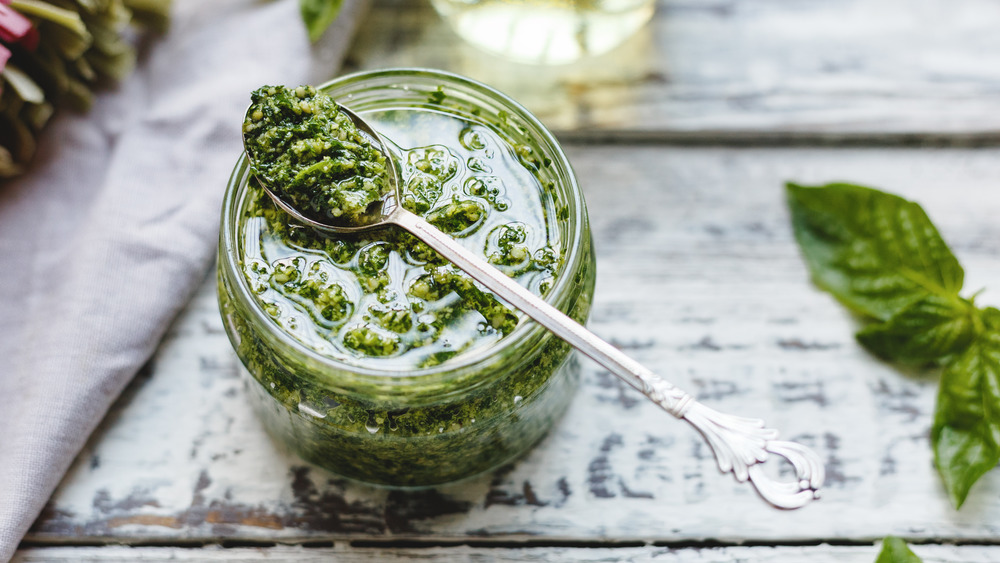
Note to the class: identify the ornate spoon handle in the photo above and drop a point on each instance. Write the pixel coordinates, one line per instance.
(740, 444)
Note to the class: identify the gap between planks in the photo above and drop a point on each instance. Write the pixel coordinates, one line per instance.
(428, 543)
(779, 139)
(816, 554)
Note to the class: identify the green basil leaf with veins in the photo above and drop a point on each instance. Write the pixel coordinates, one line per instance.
(875, 252)
(929, 329)
(895, 550)
(966, 430)
(318, 15)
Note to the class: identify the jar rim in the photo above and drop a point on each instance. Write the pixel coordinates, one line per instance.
(527, 333)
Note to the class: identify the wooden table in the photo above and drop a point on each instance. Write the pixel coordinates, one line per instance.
(682, 140)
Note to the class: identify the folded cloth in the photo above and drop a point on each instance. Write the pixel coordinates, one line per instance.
(104, 240)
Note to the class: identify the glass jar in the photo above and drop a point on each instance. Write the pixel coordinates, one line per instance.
(545, 31)
(423, 426)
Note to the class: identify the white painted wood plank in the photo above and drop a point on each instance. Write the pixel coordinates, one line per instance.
(708, 68)
(699, 278)
(280, 554)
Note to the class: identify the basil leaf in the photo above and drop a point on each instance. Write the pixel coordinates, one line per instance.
(318, 15)
(927, 330)
(894, 550)
(966, 430)
(875, 252)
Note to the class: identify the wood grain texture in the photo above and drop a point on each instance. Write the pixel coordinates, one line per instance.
(699, 278)
(282, 554)
(740, 70)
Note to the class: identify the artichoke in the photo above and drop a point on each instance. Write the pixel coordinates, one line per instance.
(54, 53)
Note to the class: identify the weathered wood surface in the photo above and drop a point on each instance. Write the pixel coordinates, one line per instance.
(699, 278)
(282, 554)
(705, 69)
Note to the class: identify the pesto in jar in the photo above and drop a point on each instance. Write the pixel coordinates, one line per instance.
(376, 358)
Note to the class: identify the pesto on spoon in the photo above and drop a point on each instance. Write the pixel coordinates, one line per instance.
(277, 124)
(313, 155)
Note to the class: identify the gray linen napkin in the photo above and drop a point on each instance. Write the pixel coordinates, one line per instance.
(105, 239)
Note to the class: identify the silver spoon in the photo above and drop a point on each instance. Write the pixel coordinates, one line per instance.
(740, 444)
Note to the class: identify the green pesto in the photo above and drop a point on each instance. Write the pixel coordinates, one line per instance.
(446, 433)
(387, 301)
(312, 154)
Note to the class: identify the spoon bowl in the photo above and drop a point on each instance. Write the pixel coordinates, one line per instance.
(379, 213)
